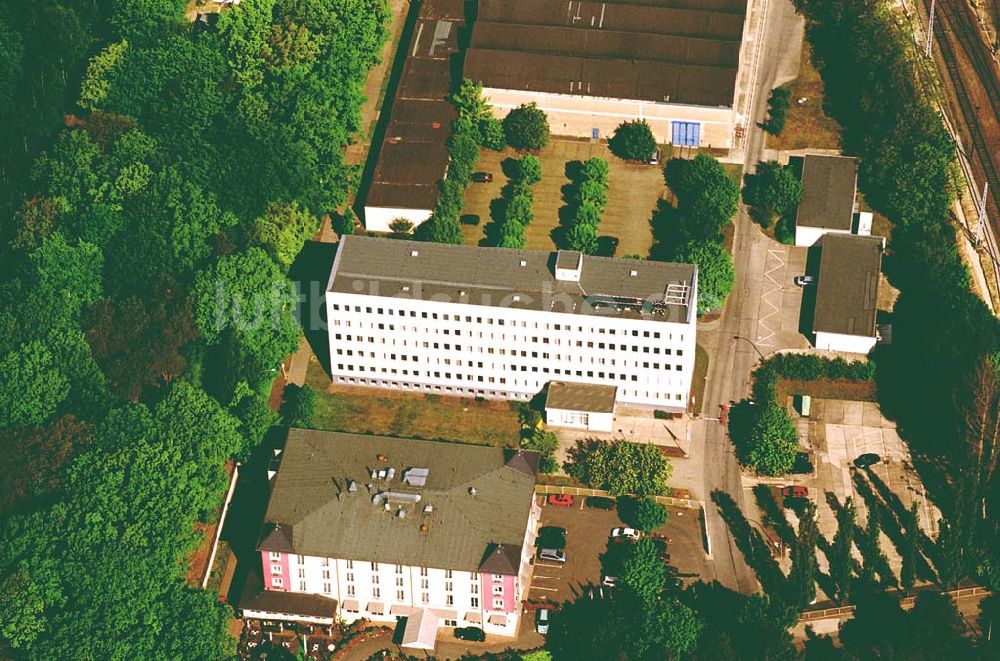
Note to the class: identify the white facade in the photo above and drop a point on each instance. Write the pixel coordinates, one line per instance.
(378, 219)
(808, 236)
(502, 352)
(847, 343)
(385, 592)
(588, 420)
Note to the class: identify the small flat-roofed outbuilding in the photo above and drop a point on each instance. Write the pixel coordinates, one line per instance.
(847, 293)
(829, 186)
(580, 406)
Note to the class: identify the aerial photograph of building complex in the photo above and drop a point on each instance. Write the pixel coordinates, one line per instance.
(499, 330)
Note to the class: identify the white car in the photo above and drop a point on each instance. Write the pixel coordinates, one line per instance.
(610, 581)
(631, 533)
(542, 622)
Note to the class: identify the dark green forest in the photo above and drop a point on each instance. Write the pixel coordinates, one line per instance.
(157, 177)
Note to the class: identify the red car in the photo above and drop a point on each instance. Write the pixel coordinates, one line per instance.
(561, 500)
(795, 492)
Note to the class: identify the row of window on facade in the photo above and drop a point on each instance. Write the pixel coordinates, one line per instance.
(524, 353)
(350, 380)
(514, 337)
(467, 319)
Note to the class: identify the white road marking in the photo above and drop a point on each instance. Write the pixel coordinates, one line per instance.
(765, 334)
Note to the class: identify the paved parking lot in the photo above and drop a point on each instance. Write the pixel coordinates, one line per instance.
(837, 432)
(587, 533)
(780, 312)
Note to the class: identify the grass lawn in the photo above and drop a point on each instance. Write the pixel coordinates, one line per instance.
(633, 191)
(858, 391)
(411, 415)
(700, 373)
(807, 125)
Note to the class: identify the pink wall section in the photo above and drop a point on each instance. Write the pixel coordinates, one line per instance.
(508, 594)
(266, 562)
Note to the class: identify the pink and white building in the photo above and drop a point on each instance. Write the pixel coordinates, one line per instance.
(439, 533)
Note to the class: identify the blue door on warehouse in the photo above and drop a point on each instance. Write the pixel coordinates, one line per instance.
(685, 134)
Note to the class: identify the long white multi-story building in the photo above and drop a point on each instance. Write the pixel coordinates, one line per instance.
(381, 528)
(502, 323)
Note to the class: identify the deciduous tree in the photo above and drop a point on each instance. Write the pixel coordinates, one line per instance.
(526, 127)
(633, 141)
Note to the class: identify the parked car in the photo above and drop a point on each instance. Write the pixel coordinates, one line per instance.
(482, 177)
(631, 533)
(795, 492)
(599, 503)
(552, 555)
(542, 621)
(475, 634)
(552, 537)
(803, 280)
(561, 500)
(610, 581)
(867, 459)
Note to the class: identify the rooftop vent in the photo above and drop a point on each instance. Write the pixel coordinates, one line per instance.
(387, 507)
(633, 273)
(428, 508)
(569, 264)
(424, 527)
(516, 298)
(401, 513)
(406, 288)
(472, 491)
(414, 253)
(524, 262)
(391, 473)
(403, 497)
(352, 486)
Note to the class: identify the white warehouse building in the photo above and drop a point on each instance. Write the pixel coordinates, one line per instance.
(503, 323)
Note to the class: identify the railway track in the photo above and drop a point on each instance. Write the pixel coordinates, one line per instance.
(956, 30)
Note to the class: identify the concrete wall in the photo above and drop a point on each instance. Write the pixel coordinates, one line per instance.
(839, 342)
(603, 422)
(808, 236)
(578, 116)
(377, 219)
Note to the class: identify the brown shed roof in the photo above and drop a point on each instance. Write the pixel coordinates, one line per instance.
(581, 397)
(828, 189)
(678, 50)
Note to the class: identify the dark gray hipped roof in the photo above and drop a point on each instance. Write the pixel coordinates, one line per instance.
(828, 188)
(502, 277)
(276, 538)
(501, 559)
(581, 397)
(480, 496)
(847, 291)
(254, 597)
(682, 50)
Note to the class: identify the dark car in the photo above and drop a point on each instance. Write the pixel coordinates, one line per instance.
(599, 503)
(482, 177)
(552, 537)
(867, 459)
(475, 634)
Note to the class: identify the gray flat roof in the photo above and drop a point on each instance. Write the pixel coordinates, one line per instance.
(681, 50)
(828, 188)
(462, 531)
(502, 277)
(581, 397)
(847, 291)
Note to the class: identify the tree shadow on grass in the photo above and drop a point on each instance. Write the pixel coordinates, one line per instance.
(752, 545)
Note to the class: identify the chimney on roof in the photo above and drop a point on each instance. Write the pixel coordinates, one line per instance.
(424, 527)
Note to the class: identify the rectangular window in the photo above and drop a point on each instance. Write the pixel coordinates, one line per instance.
(326, 588)
(302, 573)
(399, 582)
(498, 603)
(326, 573)
(374, 566)
(498, 589)
(399, 569)
(376, 592)
(449, 600)
(275, 555)
(424, 597)
(423, 583)
(275, 569)
(301, 559)
(350, 564)
(350, 590)
(399, 595)
(448, 586)
(302, 586)
(474, 602)
(447, 573)
(277, 581)
(350, 576)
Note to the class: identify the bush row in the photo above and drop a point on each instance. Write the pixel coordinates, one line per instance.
(517, 213)
(587, 199)
(777, 107)
(806, 367)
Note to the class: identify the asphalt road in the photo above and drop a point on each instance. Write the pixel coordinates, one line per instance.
(733, 359)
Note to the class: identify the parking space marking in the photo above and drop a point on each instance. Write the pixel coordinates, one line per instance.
(538, 564)
(538, 587)
(765, 334)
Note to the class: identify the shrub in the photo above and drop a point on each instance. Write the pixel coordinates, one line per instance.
(526, 127)
(545, 443)
(401, 228)
(298, 407)
(777, 111)
(661, 415)
(620, 467)
(592, 192)
(633, 141)
(642, 513)
(530, 170)
(716, 274)
(764, 436)
(582, 237)
(491, 135)
(773, 190)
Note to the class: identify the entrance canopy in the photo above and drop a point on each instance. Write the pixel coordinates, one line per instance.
(421, 630)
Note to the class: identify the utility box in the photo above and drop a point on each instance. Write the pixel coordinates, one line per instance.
(803, 404)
